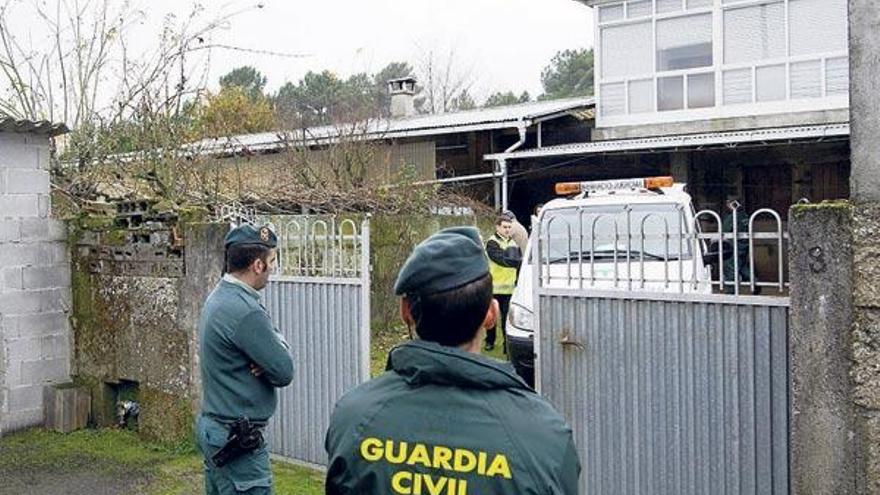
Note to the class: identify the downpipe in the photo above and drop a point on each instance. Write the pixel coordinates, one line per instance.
(522, 127)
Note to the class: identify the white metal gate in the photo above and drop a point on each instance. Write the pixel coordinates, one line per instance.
(320, 300)
(670, 385)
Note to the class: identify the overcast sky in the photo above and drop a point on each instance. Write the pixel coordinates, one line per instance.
(505, 42)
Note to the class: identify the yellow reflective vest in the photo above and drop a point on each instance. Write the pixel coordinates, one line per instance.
(503, 277)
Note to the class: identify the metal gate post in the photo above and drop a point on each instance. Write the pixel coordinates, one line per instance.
(365, 298)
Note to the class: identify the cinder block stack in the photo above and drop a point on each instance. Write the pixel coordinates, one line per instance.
(34, 283)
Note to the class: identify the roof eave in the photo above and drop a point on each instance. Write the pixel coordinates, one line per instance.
(683, 141)
(41, 127)
(593, 3)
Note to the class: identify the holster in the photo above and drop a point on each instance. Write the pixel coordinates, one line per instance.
(243, 438)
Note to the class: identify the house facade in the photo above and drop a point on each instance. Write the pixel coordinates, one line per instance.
(668, 61)
(740, 99)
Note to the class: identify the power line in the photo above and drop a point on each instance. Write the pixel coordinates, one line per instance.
(254, 51)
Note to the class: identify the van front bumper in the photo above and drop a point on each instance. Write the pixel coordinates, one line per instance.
(522, 356)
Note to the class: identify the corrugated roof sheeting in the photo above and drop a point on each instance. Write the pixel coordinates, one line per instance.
(729, 138)
(471, 120)
(41, 127)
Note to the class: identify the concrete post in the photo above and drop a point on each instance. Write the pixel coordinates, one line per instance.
(823, 449)
(204, 259)
(864, 53)
(864, 23)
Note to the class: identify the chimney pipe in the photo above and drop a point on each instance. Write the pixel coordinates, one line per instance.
(403, 93)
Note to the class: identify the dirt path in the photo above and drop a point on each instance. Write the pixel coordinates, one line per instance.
(83, 476)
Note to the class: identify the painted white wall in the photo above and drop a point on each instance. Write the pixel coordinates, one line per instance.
(718, 59)
(34, 283)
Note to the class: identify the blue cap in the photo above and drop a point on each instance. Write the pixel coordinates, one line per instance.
(249, 235)
(448, 259)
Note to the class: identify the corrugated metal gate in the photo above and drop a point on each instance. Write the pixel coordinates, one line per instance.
(320, 301)
(677, 391)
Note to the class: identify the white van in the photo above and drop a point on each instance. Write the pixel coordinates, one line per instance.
(633, 234)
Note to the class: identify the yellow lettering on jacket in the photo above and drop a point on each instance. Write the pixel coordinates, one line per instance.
(434, 488)
(397, 483)
(436, 457)
(464, 461)
(419, 456)
(499, 466)
(409, 483)
(481, 463)
(389, 452)
(371, 449)
(442, 456)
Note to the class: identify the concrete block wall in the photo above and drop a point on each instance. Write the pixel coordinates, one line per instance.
(34, 283)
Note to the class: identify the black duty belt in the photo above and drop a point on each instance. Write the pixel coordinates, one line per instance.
(225, 421)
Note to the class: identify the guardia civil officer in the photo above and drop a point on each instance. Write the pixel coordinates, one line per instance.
(243, 359)
(505, 258)
(443, 418)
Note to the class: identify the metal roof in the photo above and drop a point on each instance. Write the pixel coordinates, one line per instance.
(727, 139)
(420, 125)
(42, 127)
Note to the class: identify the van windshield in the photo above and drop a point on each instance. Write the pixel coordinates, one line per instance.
(648, 224)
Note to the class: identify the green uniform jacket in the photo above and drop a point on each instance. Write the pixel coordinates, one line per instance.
(235, 331)
(443, 421)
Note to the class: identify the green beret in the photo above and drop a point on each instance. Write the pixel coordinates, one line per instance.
(448, 259)
(249, 235)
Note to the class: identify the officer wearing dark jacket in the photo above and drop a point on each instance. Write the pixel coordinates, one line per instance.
(443, 419)
(243, 360)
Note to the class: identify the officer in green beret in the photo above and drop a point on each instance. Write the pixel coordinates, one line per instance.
(243, 360)
(443, 419)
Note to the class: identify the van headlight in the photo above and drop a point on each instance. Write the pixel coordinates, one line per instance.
(521, 317)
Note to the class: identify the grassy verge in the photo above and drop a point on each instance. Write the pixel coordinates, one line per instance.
(120, 459)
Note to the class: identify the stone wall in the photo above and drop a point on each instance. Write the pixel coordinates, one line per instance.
(34, 283)
(137, 295)
(864, 32)
(865, 368)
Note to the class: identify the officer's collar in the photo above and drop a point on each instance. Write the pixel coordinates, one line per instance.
(421, 362)
(232, 279)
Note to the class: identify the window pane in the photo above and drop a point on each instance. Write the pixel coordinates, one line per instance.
(626, 50)
(806, 80)
(611, 13)
(771, 83)
(641, 8)
(701, 90)
(664, 6)
(818, 26)
(612, 99)
(684, 42)
(737, 86)
(699, 4)
(641, 96)
(670, 93)
(837, 76)
(754, 33)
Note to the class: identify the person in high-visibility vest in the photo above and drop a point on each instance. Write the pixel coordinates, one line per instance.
(505, 258)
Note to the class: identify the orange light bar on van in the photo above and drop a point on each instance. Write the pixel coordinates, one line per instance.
(569, 188)
(658, 182)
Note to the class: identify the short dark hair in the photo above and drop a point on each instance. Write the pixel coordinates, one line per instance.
(503, 217)
(452, 317)
(240, 256)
